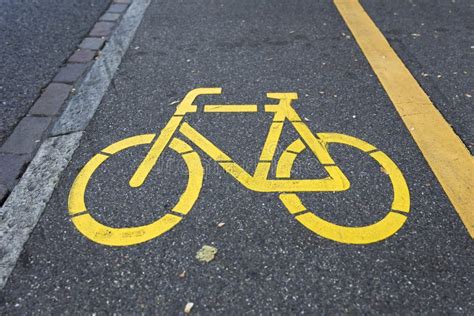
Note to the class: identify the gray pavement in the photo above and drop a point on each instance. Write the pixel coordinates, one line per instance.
(36, 38)
(266, 262)
(435, 40)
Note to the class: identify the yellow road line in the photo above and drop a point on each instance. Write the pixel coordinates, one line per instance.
(230, 108)
(447, 156)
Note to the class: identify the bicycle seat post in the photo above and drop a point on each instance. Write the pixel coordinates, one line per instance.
(282, 109)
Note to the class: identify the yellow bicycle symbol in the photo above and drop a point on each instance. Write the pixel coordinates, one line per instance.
(287, 187)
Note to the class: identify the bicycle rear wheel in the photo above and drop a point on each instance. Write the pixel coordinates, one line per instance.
(378, 231)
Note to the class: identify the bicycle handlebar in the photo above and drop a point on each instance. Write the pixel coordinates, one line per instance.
(186, 105)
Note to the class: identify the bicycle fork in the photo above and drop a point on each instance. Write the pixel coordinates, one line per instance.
(185, 106)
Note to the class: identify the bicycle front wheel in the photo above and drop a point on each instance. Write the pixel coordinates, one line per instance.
(127, 236)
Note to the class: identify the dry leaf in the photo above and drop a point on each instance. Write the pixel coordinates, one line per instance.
(206, 253)
(182, 274)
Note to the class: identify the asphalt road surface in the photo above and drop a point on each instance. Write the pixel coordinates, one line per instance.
(434, 39)
(36, 38)
(267, 262)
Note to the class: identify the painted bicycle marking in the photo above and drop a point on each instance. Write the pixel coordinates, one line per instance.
(259, 181)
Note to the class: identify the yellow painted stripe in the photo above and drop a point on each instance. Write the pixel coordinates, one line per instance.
(271, 142)
(155, 151)
(203, 143)
(230, 108)
(447, 156)
(292, 203)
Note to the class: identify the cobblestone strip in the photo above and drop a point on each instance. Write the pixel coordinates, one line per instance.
(19, 148)
(28, 199)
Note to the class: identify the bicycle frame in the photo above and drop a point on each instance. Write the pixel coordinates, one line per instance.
(259, 181)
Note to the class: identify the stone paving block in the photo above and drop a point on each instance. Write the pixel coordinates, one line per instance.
(102, 29)
(26, 136)
(117, 8)
(111, 17)
(82, 56)
(11, 168)
(51, 100)
(70, 73)
(93, 43)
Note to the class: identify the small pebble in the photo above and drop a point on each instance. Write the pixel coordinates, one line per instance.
(188, 307)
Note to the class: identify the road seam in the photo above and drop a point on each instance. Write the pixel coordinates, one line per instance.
(28, 199)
